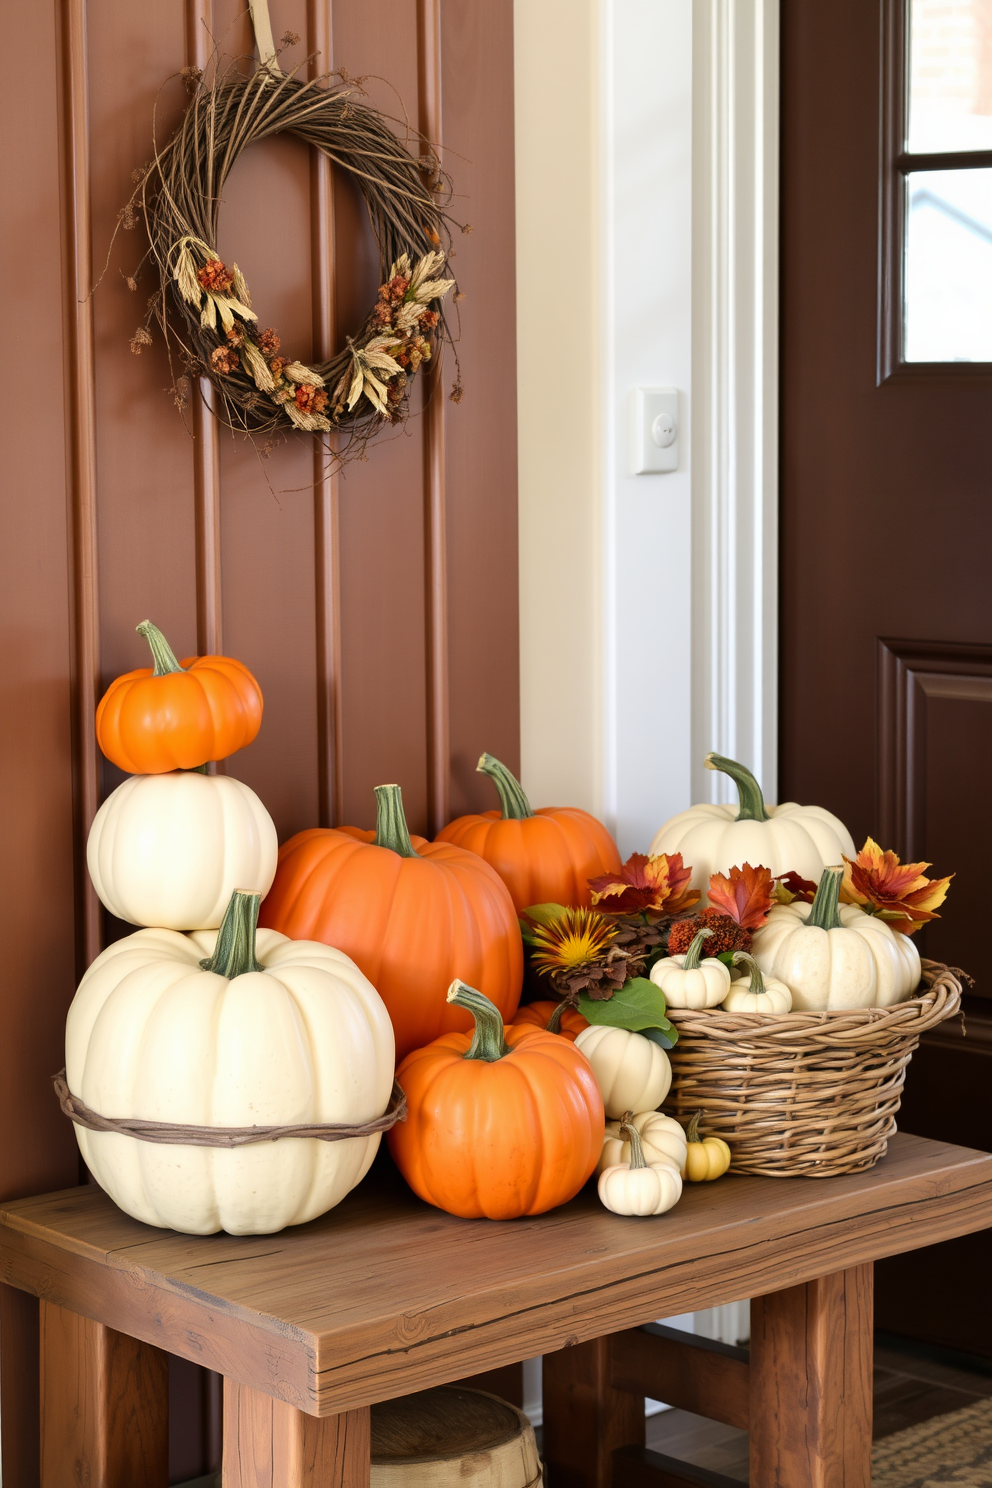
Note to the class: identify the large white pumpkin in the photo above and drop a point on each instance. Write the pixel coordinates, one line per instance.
(834, 956)
(713, 839)
(152, 1035)
(169, 850)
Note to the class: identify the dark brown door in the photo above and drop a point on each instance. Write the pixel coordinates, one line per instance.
(886, 623)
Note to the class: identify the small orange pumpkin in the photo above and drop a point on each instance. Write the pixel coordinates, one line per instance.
(501, 1122)
(409, 912)
(177, 717)
(553, 1017)
(545, 856)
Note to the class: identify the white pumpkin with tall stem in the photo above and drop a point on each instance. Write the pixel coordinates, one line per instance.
(714, 839)
(688, 982)
(756, 993)
(833, 956)
(638, 1187)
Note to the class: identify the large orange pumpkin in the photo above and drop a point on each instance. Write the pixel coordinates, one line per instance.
(410, 913)
(555, 1017)
(545, 856)
(177, 716)
(501, 1122)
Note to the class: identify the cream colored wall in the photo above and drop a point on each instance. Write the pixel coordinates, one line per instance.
(560, 414)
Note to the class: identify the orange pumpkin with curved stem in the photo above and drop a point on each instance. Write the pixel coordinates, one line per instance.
(554, 1017)
(410, 913)
(177, 716)
(501, 1122)
(545, 856)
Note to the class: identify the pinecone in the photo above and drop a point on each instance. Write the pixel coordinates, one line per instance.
(727, 934)
(638, 942)
(599, 979)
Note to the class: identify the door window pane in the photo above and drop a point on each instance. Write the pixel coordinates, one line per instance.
(949, 266)
(950, 75)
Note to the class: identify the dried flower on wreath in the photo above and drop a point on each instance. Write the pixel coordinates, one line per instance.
(204, 307)
(652, 886)
(897, 892)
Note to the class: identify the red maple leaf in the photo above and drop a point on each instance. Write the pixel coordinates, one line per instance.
(652, 886)
(746, 895)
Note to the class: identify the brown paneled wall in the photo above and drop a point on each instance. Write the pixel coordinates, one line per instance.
(378, 608)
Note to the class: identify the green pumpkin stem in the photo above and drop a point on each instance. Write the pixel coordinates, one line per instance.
(825, 910)
(692, 1130)
(391, 829)
(513, 802)
(234, 950)
(694, 952)
(162, 653)
(633, 1136)
(488, 1041)
(752, 802)
(744, 958)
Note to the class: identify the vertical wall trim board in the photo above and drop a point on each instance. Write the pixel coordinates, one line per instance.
(435, 495)
(326, 525)
(735, 389)
(82, 462)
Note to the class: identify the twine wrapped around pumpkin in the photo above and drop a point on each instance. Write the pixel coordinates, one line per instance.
(178, 1134)
(804, 1094)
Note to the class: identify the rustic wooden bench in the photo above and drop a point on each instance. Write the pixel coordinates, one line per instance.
(385, 1295)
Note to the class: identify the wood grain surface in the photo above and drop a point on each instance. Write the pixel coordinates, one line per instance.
(385, 1295)
(269, 1444)
(585, 1417)
(691, 1373)
(104, 1406)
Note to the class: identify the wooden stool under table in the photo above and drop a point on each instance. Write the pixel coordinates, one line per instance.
(384, 1296)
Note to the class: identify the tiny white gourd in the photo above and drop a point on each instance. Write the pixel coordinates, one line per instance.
(169, 850)
(662, 1140)
(639, 1187)
(688, 982)
(229, 1028)
(756, 993)
(716, 838)
(834, 956)
(632, 1072)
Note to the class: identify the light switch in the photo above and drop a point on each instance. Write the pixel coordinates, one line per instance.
(654, 432)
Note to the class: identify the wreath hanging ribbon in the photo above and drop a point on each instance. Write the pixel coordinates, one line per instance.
(204, 307)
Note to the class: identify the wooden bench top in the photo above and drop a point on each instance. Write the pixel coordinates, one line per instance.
(386, 1295)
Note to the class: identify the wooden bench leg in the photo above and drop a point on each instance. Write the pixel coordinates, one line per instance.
(585, 1418)
(104, 1405)
(811, 1382)
(269, 1444)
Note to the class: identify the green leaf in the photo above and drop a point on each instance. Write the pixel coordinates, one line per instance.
(639, 1004)
(666, 1037)
(727, 957)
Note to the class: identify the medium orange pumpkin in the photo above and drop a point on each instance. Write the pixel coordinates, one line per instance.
(501, 1122)
(409, 912)
(545, 856)
(554, 1017)
(177, 717)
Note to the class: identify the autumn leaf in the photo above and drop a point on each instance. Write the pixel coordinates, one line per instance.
(653, 886)
(791, 886)
(897, 892)
(746, 895)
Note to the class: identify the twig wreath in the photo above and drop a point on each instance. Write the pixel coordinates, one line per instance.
(205, 305)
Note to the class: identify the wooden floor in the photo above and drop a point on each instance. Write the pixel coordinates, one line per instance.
(912, 1384)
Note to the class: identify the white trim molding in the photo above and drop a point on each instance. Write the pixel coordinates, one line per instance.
(735, 389)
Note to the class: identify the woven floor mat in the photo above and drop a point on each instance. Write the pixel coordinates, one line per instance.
(954, 1449)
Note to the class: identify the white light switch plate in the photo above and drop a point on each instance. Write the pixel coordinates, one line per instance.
(654, 430)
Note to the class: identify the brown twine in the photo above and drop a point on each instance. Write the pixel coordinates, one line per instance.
(177, 1134)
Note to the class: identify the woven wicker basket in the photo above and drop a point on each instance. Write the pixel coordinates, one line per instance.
(803, 1094)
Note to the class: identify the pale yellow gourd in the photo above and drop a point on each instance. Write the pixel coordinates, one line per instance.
(632, 1072)
(688, 982)
(756, 993)
(662, 1140)
(706, 1158)
(639, 1187)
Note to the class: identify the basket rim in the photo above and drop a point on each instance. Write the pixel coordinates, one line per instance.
(941, 999)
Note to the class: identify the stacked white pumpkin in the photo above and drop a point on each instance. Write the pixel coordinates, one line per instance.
(201, 1020)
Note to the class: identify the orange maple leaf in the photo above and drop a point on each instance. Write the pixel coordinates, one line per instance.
(897, 892)
(652, 886)
(746, 895)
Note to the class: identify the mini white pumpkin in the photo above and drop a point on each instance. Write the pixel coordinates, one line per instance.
(688, 982)
(639, 1187)
(834, 956)
(714, 839)
(169, 850)
(756, 993)
(281, 1033)
(662, 1140)
(632, 1072)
